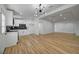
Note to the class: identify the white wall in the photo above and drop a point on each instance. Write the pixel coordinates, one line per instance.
(64, 27)
(36, 26)
(68, 27)
(76, 28)
(45, 27)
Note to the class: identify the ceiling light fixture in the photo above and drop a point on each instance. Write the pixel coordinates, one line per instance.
(64, 17)
(61, 15)
(40, 9)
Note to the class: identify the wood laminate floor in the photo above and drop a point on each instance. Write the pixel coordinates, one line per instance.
(52, 43)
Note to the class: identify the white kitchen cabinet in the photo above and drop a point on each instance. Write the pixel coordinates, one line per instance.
(7, 40)
(9, 18)
(11, 38)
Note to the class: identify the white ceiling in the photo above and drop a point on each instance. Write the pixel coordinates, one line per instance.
(28, 11)
(70, 14)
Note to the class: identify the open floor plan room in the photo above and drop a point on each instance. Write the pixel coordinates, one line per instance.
(39, 28)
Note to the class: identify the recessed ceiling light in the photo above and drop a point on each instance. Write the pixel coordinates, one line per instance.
(64, 17)
(61, 15)
(35, 15)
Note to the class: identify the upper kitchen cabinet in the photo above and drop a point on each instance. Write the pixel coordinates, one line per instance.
(9, 18)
